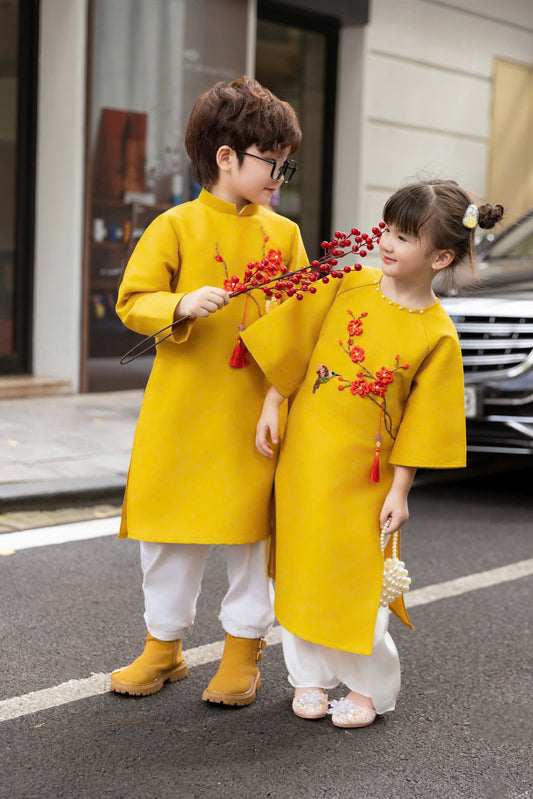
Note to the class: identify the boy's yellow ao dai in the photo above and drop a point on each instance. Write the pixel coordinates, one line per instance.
(329, 564)
(195, 475)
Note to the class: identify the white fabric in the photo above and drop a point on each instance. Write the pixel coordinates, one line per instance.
(376, 676)
(172, 576)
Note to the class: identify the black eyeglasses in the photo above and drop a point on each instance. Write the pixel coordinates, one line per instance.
(286, 170)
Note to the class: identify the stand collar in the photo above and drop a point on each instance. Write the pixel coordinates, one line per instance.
(225, 207)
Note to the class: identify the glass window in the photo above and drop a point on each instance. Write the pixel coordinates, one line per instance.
(150, 60)
(517, 242)
(9, 71)
(292, 61)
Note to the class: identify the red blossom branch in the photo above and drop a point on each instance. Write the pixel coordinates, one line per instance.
(271, 270)
(261, 275)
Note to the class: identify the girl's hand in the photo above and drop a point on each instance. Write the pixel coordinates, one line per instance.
(268, 424)
(395, 506)
(395, 511)
(202, 302)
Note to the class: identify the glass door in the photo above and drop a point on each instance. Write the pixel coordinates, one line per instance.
(149, 59)
(296, 58)
(18, 57)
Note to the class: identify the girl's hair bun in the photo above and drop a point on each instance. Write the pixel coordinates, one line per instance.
(489, 215)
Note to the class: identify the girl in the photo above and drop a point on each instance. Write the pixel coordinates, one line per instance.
(373, 367)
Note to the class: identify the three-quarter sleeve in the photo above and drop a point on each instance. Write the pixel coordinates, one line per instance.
(432, 431)
(283, 341)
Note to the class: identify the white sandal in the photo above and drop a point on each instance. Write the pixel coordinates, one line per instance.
(345, 713)
(313, 704)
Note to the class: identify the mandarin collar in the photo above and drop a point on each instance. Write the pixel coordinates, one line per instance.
(225, 207)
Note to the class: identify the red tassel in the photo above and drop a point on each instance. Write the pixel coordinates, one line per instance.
(238, 356)
(374, 474)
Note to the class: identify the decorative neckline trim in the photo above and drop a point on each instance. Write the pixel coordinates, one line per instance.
(225, 207)
(405, 308)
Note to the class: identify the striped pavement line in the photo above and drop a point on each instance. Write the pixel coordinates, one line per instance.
(73, 690)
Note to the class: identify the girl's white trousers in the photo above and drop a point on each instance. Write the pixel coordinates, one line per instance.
(376, 675)
(172, 576)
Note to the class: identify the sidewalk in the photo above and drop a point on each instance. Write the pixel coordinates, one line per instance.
(66, 448)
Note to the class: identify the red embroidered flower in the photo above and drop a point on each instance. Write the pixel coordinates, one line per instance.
(378, 388)
(385, 375)
(355, 328)
(357, 354)
(360, 387)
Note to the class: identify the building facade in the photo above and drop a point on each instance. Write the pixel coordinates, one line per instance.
(386, 91)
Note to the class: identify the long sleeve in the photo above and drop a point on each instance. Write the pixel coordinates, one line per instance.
(147, 297)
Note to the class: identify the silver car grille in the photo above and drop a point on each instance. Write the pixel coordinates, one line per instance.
(495, 345)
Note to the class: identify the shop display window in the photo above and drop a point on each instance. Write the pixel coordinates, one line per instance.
(149, 60)
(18, 57)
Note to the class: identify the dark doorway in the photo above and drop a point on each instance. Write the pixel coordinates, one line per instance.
(18, 83)
(296, 58)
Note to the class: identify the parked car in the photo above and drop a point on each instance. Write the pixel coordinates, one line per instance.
(494, 321)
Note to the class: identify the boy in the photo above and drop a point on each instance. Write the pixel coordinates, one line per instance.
(195, 477)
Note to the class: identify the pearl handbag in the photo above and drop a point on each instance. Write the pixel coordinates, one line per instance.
(396, 580)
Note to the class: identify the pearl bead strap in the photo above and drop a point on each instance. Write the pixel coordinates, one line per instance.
(396, 580)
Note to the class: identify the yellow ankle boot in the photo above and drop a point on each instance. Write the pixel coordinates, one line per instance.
(237, 679)
(160, 661)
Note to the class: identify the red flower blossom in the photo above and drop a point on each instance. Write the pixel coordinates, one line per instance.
(357, 354)
(360, 387)
(378, 389)
(385, 375)
(355, 328)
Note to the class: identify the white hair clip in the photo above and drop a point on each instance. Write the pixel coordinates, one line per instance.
(471, 217)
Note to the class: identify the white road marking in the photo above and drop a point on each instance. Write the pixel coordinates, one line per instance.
(59, 534)
(74, 690)
(471, 582)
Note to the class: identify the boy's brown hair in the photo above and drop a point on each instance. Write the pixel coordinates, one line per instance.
(238, 114)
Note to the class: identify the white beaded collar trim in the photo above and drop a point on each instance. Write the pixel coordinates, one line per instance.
(402, 307)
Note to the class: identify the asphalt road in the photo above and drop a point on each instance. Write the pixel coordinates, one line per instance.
(462, 727)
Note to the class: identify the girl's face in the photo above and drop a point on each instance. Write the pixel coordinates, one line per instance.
(250, 182)
(404, 256)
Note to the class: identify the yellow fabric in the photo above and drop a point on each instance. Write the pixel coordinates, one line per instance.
(329, 565)
(195, 475)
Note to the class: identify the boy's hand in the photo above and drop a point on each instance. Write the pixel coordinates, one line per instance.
(268, 424)
(202, 302)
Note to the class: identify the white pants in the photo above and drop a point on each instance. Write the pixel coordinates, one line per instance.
(376, 676)
(172, 576)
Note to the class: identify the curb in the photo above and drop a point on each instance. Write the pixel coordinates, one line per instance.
(50, 493)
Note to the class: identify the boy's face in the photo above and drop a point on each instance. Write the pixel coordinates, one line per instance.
(251, 181)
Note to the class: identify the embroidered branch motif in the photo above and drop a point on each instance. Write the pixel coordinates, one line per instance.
(256, 274)
(366, 385)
